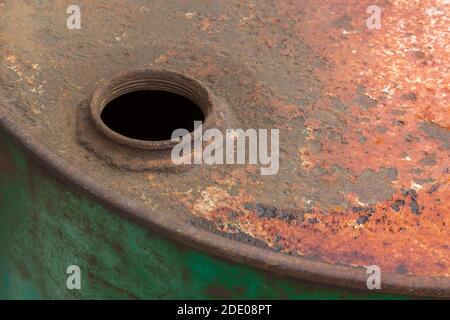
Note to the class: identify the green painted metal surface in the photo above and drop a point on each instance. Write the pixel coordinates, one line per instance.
(46, 227)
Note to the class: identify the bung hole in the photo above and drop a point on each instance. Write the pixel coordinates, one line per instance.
(150, 115)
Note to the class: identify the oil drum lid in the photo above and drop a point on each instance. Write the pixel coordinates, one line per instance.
(356, 105)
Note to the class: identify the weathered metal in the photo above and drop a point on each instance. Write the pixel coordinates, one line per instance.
(119, 259)
(364, 136)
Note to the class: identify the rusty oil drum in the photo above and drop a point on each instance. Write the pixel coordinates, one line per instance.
(364, 142)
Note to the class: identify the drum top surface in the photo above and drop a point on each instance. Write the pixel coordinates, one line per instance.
(363, 117)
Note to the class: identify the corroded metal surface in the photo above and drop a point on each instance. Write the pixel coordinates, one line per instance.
(363, 118)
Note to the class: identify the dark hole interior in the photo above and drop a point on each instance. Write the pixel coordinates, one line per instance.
(151, 115)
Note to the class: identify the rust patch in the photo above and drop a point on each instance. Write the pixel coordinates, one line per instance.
(363, 118)
(378, 138)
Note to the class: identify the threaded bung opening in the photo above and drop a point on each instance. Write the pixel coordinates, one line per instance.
(143, 108)
(150, 115)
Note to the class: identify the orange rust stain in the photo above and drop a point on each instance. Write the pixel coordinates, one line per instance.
(290, 111)
(392, 81)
